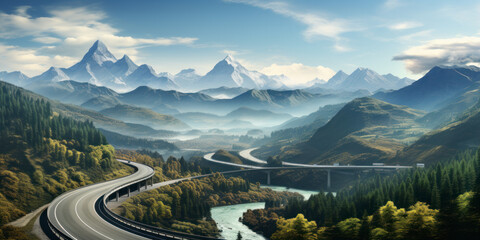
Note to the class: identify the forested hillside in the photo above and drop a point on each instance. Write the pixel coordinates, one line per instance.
(43, 154)
(445, 187)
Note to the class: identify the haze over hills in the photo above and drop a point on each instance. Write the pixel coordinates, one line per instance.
(435, 88)
(73, 92)
(101, 121)
(242, 117)
(445, 142)
(363, 131)
(144, 116)
(224, 92)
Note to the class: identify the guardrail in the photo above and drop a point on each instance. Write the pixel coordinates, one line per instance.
(135, 227)
(51, 231)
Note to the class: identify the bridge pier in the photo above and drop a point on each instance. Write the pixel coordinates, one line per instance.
(268, 177)
(128, 191)
(328, 179)
(117, 195)
(146, 184)
(151, 182)
(138, 186)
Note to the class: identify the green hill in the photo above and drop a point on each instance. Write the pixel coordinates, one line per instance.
(101, 121)
(445, 142)
(144, 116)
(226, 156)
(365, 130)
(43, 154)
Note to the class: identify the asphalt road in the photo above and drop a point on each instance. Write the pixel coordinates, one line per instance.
(74, 213)
(288, 165)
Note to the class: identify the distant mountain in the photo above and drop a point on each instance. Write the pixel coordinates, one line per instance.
(146, 76)
(187, 79)
(126, 142)
(95, 68)
(16, 77)
(362, 79)
(100, 67)
(397, 82)
(98, 119)
(445, 143)
(71, 91)
(319, 117)
(224, 92)
(363, 131)
(144, 116)
(230, 73)
(209, 121)
(438, 85)
(101, 102)
(334, 81)
(452, 108)
(297, 130)
(53, 74)
(150, 98)
(258, 117)
(274, 98)
(124, 67)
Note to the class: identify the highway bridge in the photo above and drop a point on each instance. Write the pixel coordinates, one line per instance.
(83, 213)
(246, 154)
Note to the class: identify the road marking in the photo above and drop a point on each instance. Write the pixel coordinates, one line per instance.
(56, 218)
(76, 212)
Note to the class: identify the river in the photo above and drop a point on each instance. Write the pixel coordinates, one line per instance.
(227, 216)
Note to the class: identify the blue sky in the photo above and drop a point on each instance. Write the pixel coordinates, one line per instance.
(303, 39)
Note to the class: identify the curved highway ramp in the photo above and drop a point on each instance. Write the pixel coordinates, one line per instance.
(82, 213)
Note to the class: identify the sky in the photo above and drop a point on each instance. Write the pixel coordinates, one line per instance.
(302, 39)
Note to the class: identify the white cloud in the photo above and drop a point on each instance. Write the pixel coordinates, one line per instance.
(74, 30)
(448, 51)
(317, 24)
(230, 52)
(405, 25)
(391, 4)
(29, 61)
(47, 40)
(299, 73)
(341, 48)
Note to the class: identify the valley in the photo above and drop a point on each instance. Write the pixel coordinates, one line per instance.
(219, 120)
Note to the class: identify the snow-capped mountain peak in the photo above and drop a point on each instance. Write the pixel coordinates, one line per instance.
(53, 74)
(99, 54)
(124, 66)
(147, 69)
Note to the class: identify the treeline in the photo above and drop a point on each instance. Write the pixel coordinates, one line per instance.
(186, 205)
(419, 221)
(122, 141)
(440, 202)
(437, 186)
(164, 170)
(33, 121)
(43, 154)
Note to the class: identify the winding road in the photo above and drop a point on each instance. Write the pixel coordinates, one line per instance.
(246, 154)
(73, 212)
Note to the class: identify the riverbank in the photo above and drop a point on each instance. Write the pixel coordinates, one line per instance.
(227, 217)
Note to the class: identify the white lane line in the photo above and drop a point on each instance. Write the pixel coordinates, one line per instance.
(247, 154)
(56, 218)
(76, 212)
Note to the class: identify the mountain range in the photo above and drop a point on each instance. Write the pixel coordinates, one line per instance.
(363, 78)
(100, 67)
(435, 88)
(363, 131)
